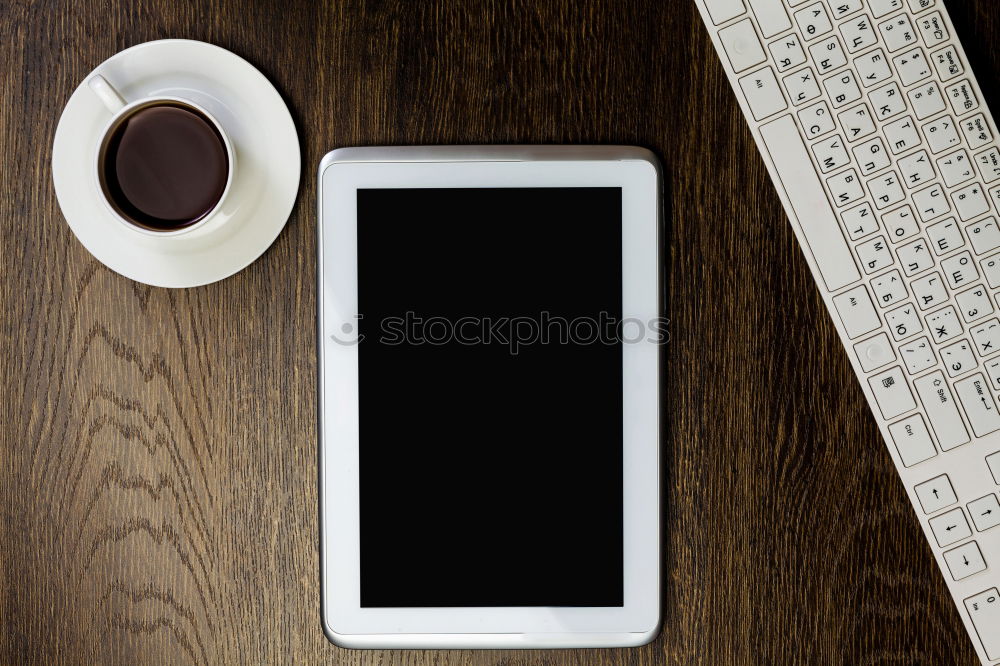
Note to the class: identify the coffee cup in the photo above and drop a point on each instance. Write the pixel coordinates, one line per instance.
(164, 165)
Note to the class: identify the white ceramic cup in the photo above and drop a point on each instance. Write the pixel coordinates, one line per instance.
(120, 111)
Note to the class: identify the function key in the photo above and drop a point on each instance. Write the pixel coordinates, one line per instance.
(947, 63)
(976, 131)
(920, 5)
(988, 162)
(935, 494)
(932, 29)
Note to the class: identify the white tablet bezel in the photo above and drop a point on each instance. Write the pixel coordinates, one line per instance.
(341, 173)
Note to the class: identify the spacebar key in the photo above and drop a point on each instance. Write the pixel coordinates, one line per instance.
(812, 209)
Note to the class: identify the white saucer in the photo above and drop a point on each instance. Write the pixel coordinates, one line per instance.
(266, 179)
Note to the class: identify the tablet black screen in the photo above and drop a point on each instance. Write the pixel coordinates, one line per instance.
(490, 397)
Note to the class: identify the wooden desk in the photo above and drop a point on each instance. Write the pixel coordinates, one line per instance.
(158, 486)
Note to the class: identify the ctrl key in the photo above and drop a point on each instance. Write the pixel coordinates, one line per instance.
(984, 610)
(912, 440)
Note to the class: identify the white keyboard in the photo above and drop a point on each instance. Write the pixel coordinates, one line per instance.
(878, 140)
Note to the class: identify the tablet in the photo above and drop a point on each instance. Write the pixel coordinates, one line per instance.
(489, 329)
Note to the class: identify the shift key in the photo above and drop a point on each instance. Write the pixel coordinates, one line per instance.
(975, 395)
(942, 412)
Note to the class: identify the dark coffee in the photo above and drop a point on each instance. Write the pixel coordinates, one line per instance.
(164, 167)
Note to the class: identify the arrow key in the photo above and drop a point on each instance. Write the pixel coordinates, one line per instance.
(950, 527)
(965, 560)
(985, 512)
(935, 494)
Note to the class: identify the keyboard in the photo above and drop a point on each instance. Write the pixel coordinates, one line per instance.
(886, 159)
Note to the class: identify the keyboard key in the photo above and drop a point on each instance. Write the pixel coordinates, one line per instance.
(917, 355)
(915, 257)
(787, 52)
(887, 101)
(926, 100)
(828, 55)
(974, 304)
(903, 321)
(889, 289)
(886, 190)
(984, 235)
(993, 372)
(912, 66)
(859, 221)
(858, 33)
(891, 393)
(951, 527)
(987, 337)
(944, 325)
(959, 270)
(942, 412)
(941, 134)
(929, 290)
(872, 68)
(988, 162)
(762, 93)
(947, 63)
(970, 201)
(975, 396)
(801, 86)
(842, 88)
(831, 154)
(845, 187)
(936, 494)
(976, 131)
(984, 611)
(742, 46)
(993, 462)
(991, 270)
(920, 5)
(985, 512)
(963, 98)
(882, 7)
(813, 21)
(724, 10)
(912, 440)
(945, 236)
(875, 352)
(844, 8)
(955, 168)
(771, 16)
(931, 203)
(901, 135)
(816, 120)
(916, 169)
(965, 560)
(898, 33)
(900, 224)
(857, 312)
(808, 201)
(958, 358)
(857, 123)
(932, 29)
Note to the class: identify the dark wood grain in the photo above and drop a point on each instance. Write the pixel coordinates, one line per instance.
(158, 486)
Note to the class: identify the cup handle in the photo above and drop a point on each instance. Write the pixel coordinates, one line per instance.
(106, 93)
